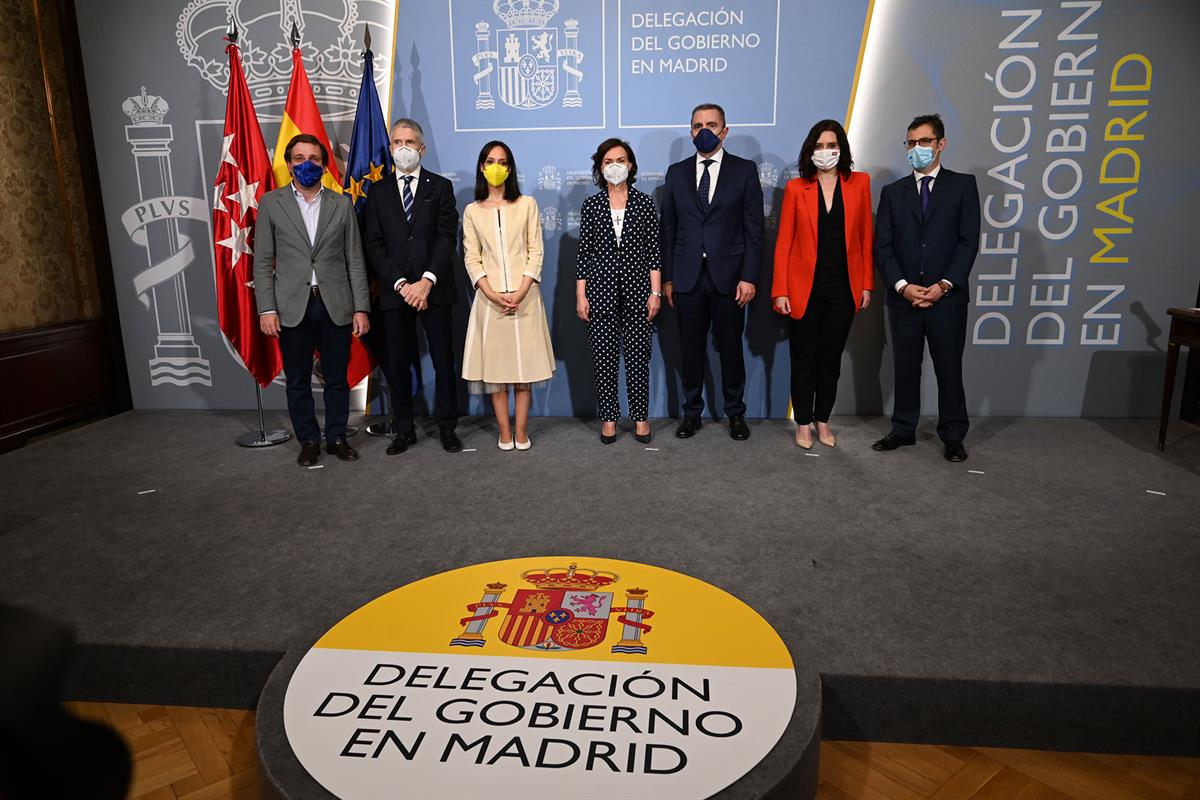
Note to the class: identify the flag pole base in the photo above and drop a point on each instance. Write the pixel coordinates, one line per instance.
(381, 428)
(263, 438)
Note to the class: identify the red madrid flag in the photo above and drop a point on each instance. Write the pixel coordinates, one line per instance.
(242, 178)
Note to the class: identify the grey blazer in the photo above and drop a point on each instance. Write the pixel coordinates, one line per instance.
(284, 260)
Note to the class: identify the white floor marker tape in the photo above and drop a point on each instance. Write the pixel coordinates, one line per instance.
(318, 466)
(975, 471)
(652, 449)
(1160, 494)
(813, 455)
(469, 450)
(148, 491)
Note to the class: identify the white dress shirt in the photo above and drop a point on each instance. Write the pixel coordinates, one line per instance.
(714, 169)
(310, 211)
(933, 173)
(412, 188)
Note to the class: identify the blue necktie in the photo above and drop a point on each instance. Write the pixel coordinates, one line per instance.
(925, 181)
(705, 182)
(408, 198)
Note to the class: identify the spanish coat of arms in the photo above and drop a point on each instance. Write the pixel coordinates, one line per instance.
(567, 609)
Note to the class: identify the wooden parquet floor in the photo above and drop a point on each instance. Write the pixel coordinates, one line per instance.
(208, 754)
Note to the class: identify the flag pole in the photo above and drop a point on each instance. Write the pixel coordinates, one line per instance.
(384, 426)
(262, 437)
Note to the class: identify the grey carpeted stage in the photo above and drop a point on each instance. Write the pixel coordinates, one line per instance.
(1037, 595)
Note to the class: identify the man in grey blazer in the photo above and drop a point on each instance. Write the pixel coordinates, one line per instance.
(312, 293)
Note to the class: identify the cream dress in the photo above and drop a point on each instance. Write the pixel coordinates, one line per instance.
(502, 245)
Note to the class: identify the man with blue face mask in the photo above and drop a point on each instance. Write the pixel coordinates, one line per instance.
(926, 239)
(712, 233)
(312, 293)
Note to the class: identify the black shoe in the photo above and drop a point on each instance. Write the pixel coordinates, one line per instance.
(644, 438)
(309, 453)
(687, 427)
(606, 438)
(342, 449)
(891, 442)
(738, 429)
(401, 442)
(450, 441)
(955, 452)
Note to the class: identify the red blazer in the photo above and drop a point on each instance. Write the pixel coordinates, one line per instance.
(796, 245)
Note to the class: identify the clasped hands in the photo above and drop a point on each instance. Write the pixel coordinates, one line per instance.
(416, 294)
(509, 302)
(922, 296)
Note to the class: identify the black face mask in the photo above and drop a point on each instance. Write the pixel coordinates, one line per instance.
(706, 141)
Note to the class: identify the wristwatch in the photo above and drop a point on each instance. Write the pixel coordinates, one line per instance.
(656, 294)
(945, 285)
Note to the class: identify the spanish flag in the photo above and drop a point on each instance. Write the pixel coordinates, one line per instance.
(301, 115)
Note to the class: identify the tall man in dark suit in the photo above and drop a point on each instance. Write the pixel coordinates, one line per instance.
(712, 233)
(926, 239)
(312, 293)
(410, 223)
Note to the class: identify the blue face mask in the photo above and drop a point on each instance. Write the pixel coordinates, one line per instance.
(706, 141)
(307, 173)
(920, 157)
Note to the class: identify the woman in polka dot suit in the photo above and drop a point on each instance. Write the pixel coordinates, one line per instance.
(618, 285)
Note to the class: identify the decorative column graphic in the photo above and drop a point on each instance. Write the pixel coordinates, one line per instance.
(472, 635)
(631, 619)
(483, 78)
(571, 61)
(153, 224)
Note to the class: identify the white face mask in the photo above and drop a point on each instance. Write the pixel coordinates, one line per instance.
(616, 173)
(826, 159)
(406, 158)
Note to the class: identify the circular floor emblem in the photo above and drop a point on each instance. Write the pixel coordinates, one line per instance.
(553, 677)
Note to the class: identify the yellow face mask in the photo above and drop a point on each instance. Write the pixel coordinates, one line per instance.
(495, 174)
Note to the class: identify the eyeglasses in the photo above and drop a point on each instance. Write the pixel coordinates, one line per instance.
(925, 141)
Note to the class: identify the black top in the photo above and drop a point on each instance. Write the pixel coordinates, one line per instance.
(832, 276)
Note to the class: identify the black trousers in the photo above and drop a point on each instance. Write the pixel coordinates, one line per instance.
(316, 331)
(816, 342)
(400, 330)
(697, 310)
(945, 328)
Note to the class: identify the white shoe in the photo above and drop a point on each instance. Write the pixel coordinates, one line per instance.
(505, 445)
(525, 445)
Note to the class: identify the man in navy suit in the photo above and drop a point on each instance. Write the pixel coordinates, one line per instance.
(410, 224)
(712, 233)
(926, 239)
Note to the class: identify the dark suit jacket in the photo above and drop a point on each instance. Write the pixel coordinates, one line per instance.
(609, 269)
(731, 232)
(924, 249)
(397, 250)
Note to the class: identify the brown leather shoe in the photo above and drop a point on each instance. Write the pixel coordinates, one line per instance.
(342, 449)
(309, 453)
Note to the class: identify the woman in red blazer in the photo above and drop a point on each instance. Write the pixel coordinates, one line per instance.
(824, 271)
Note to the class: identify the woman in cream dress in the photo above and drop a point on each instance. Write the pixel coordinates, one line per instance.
(508, 340)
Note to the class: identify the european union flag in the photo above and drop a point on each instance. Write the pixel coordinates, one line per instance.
(370, 154)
